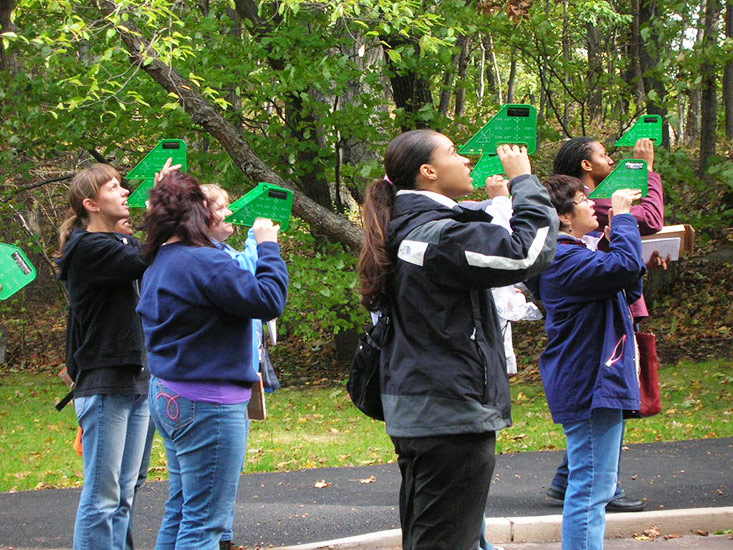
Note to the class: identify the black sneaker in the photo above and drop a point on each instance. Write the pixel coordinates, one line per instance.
(625, 504)
(555, 492)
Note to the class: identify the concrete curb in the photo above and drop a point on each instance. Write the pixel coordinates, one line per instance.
(548, 528)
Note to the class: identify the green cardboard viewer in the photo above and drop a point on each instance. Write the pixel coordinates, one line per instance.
(267, 200)
(648, 126)
(515, 123)
(151, 164)
(16, 270)
(629, 174)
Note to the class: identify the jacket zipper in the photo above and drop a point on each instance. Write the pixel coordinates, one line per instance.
(482, 357)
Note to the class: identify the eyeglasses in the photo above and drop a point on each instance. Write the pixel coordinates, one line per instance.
(581, 201)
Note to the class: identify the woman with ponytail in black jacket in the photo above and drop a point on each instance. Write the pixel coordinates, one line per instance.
(431, 265)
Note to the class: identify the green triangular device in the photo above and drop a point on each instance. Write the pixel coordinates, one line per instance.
(648, 126)
(515, 123)
(267, 200)
(151, 164)
(629, 174)
(487, 165)
(16, 270)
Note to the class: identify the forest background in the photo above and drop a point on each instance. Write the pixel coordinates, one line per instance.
(306, 95)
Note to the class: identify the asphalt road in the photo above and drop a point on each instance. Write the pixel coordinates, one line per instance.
(280, 509)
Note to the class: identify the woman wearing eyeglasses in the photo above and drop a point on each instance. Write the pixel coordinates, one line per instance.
(589, 366)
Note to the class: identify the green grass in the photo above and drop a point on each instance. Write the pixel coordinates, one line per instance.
(318, 427)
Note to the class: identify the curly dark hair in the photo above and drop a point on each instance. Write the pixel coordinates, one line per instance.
(178, 207)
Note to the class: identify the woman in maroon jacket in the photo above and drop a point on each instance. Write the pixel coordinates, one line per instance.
(586, 159)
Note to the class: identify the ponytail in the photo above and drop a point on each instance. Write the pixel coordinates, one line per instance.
(375, 265)
(67, 228)
(404, 156)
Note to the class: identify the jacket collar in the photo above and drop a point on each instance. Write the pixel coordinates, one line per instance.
(437, 197)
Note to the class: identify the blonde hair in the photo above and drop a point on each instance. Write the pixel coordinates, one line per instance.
(85, 185)
(215, 193)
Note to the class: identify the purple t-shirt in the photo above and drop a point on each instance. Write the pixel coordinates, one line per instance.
(221, 393)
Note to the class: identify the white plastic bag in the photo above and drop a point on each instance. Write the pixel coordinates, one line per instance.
(513, 306)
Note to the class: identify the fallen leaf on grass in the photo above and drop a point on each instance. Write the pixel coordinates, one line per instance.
(370, 479)
(667, 537)
(321, 484)
(702, 533)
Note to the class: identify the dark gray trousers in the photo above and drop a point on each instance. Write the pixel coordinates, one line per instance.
(445, 484)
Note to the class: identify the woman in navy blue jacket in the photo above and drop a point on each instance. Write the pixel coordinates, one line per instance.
(197, 307)
(589, 366)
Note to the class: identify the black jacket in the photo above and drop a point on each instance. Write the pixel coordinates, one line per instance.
(443, 371)
(103, 329)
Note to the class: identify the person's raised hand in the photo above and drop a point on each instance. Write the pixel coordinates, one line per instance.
(265, 231)
(168, 167)
(515, 160)
(644, 150)
(497, 186)
(622, 199)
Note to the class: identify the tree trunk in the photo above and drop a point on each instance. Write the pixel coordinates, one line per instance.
(7, 60)
(693, 97)
(728, 74)
(304, 127)
(709, 97)
(463, 60)
(512, 77)
(487, 49)
(649, 59)
(207, 116)
(595, 72)
(355, 151)
(635, 71)
(566, 55)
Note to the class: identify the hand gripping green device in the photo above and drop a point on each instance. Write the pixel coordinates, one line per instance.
(515, 123)
(267, 200)
(151, 164)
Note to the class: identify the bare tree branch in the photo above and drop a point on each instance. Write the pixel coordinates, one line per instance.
(35, 186)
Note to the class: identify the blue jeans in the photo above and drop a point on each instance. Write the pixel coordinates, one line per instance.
(229, 531)
(205, 444)
(560, 481)
(114, 436)
(483, 542)
(141, 477)
(593, 448)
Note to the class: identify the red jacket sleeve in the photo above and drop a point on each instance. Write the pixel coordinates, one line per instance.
(649, 214)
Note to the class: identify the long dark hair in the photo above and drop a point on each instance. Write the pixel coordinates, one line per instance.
(402, 161)
(571, 155)
(178, 207)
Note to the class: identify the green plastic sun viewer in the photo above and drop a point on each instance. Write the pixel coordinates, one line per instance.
(648, 126)
(629, 174)
(267, 200)
(151, 164)
(16, 270)
(515, 124)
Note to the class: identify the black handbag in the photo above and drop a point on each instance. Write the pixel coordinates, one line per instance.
(363, 385)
